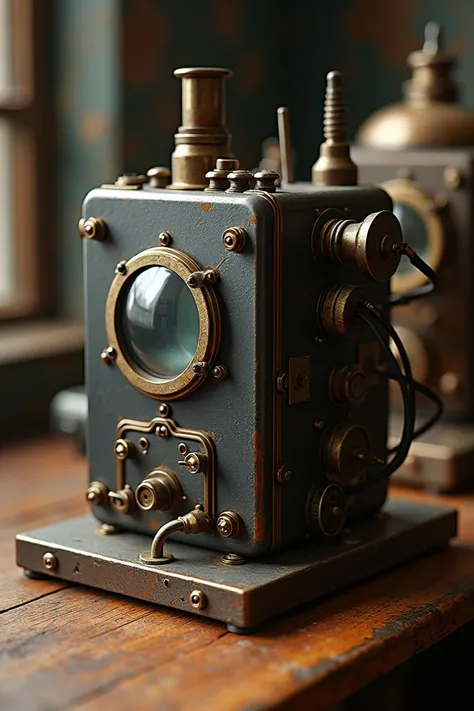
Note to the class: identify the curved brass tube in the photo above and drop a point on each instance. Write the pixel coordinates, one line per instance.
(162, 534)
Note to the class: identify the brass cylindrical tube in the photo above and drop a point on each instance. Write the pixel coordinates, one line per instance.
(203, 136)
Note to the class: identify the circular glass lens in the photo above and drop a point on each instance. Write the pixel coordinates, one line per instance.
(160, 322)
(414, 232)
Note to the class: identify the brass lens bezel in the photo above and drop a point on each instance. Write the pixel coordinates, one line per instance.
(410, 194)
(209, 320)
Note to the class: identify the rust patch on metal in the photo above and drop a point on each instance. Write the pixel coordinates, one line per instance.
(252, 220)
(258, 522)
(206, 206)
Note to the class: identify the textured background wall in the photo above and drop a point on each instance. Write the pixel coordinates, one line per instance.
(120, 104)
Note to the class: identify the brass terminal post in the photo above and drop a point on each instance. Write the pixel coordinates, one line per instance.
(334, 165)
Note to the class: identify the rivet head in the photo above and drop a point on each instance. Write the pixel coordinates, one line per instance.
(284, 475)
(200, 368)
(164, 410)
(234, 239)
(122, 449)
(121, 267)
(165, 239)
(131, 179)
(50, 561)
(159, 177)
(198, 600)
(162, 431)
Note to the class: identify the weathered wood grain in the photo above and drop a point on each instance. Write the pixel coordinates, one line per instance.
(81, 649)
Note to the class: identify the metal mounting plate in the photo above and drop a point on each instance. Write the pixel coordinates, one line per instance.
(246, 595)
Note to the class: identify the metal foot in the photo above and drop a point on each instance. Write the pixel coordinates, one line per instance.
(31, 575)
(241, 630)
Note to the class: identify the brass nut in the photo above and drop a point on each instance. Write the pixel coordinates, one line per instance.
(108, 355)
(97, 494)
(234, 239)
(92, 228)
(198, 600)
(233, 559)
(122, 501)
(160, 491)
(123, 448)
(452, 177)
(195, 462)
(50, 561)
(220, 372)
(165, 239)
(228, 524)
(284, 475)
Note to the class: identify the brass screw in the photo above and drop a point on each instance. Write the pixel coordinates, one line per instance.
(92, 228)
(107, 529)
(165, 239)
(198, 600)
(122, 449)
(284, 475)
(193, 281)
(162, 431)
(452, 177)
(234, 239)
(164, 410)
(219, 372)
(121, 267)
(50, 561)
(108, 355)
(228, 524)
(195, 462)
(282, 382)
(211, 276)
(200, 368)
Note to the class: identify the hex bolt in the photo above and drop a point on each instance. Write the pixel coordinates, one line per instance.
(50, 561)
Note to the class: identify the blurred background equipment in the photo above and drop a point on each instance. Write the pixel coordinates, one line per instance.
(421, 151)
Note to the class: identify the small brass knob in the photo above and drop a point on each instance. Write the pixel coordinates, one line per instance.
(239, 181)
(160, 490)
(159, 177)
(367, 244)
(97, 494)
(348, 454)
(348, 384)
(338, 311)
(92, 228)
(327, 511)
(267, 180)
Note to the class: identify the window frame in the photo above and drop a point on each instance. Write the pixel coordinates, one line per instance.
(30, 112)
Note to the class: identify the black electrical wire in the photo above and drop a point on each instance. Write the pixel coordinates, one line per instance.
(420, 264)
(405, 382)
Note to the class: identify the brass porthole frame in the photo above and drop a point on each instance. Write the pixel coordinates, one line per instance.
(408, 193)
(209, 323)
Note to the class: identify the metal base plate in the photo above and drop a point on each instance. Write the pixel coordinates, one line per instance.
(242, 596)
(441, 460)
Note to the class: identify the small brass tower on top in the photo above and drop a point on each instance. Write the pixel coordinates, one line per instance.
(334, 165)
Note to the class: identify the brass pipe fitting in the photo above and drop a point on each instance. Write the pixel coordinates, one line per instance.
(160, 491)
(196, 521)
(203, 136)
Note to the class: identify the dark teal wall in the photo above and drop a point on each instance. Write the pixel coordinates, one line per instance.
(119, 103)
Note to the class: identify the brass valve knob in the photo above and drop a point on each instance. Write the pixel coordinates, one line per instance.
(338, 310)
(367, 244)
(160, 490)
(348, 454)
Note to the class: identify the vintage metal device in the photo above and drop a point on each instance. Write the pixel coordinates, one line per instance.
(421, 151)
(235, 382)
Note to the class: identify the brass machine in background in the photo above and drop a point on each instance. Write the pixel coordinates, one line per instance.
(237, 367)
(421, 151)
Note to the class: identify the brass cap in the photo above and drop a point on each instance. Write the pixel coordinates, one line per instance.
(203, 136)
(334, 165)
(429, 114)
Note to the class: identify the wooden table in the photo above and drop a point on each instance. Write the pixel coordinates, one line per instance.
(67, 647)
